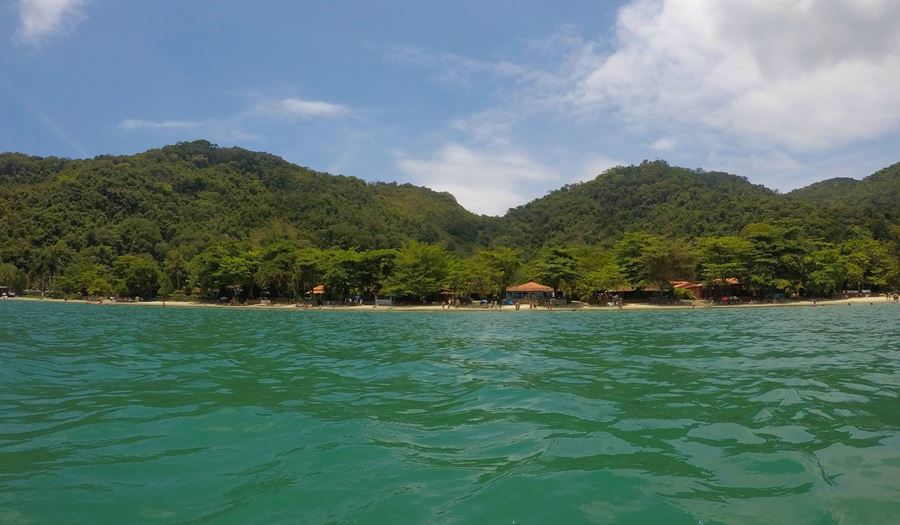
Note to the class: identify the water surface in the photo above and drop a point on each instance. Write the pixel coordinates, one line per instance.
(117, 414)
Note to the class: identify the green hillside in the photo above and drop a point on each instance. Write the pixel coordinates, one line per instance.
(659, 198)
(830, 191)
(193, 193)
(873, 202)
(194, 218)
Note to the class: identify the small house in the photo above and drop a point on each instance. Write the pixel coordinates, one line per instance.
(530, 291)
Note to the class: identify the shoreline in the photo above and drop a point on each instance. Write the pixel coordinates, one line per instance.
(506, 308)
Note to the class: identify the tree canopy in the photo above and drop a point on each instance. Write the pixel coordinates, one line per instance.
(196, 219)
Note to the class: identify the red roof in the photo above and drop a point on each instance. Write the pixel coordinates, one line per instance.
(685, 284)
(318, 290)
(530, 286)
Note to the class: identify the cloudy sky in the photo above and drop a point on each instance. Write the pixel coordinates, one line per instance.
(495, 101)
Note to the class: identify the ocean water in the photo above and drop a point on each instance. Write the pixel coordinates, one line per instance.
(118, 414)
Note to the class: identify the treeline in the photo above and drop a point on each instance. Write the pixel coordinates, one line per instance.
(767, 259)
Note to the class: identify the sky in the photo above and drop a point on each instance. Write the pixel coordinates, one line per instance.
(495, 101)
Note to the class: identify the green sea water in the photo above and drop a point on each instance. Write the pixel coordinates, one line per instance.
(117, 414)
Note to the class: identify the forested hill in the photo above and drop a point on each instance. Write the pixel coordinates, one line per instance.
(874, 200)
(195, 193)
(196, 218)
(674, 202)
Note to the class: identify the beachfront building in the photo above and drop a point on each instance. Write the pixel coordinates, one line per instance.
(718, 289)
(695, 289)
(531, 291)
(316, 295)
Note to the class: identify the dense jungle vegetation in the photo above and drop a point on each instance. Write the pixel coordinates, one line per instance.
(196, 219)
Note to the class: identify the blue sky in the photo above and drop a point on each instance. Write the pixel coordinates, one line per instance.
(497, 102)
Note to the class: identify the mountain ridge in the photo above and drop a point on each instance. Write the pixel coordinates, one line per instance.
(196, 189)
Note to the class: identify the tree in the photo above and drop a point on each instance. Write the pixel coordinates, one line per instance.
(12, 278)
(276, 267)
(204, 269)
(375, 266)
(138, 275)
(237, 272)
(176, 269)
(87, 278)
(776, 259)
(308, 270)
(827, 271)
(138, 235)
(464, 278)
(50, 261)
(601, 273)
(667, 261)
(868, 262)
(420, 270)
(556, 267)
(630, 250)
(498, 268)
(722, 258)
(342, 272)
(222, 267)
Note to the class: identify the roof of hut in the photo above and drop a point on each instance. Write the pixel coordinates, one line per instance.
(530, 286)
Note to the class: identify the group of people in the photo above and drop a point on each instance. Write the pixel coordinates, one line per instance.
(453, 302)
(496, 305)
(609, 299)
(533, 304)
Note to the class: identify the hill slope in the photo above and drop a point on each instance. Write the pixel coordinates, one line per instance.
(873, 201)
(194, 191)
(659, 198)
(192, 194)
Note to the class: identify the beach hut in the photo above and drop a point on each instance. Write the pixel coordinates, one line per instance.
(530, 291)
(317, 294)
(695, 289)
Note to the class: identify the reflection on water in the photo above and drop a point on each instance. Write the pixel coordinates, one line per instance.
(142, 415)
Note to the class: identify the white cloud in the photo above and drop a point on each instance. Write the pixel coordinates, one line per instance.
(804, 74)
(223, 130)
(488, 182)
(132, 124)
(235, 127)
(453, 69)
(295, 108)
(664, 144)
(491, 126)
(42, 19)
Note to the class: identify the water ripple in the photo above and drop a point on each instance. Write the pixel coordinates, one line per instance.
(175, 415)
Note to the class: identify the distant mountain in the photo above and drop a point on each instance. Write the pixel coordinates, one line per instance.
(193, 192)
(874, 199)
(830, 191)
(659, 198)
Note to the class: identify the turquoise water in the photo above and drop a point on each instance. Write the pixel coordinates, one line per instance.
(117, 414)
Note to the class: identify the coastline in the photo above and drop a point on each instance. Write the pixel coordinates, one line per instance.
(699, 305)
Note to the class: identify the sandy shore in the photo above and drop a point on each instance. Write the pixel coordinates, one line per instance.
(698, 305)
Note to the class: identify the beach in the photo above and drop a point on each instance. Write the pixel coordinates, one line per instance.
(581, 307)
